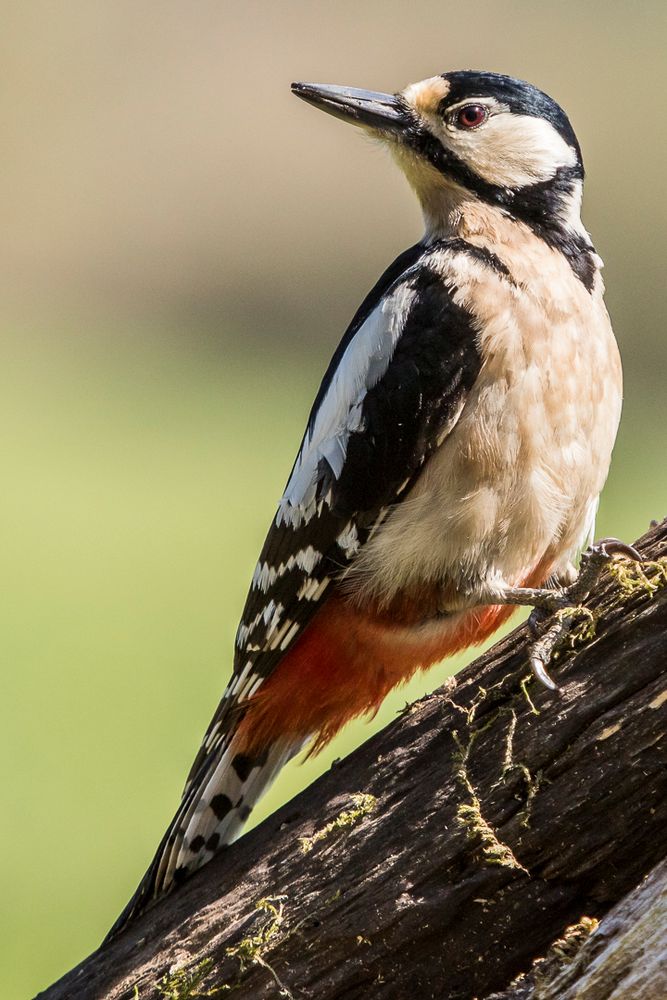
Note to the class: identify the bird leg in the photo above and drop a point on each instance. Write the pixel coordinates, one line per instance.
(564, 604)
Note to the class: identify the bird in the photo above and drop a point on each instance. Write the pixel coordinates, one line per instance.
(453, 458)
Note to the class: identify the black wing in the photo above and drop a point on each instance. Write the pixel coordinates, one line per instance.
(392, 393)
(394, 389)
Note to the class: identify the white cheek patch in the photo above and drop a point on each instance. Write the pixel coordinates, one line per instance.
(510, 150)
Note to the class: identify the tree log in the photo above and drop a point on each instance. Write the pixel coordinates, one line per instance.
(446, 854)
(624, 958)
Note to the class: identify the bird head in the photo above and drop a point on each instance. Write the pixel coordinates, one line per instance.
(472, 137)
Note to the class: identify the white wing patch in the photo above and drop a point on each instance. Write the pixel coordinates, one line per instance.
(238, 680)
(312, 589)
(265, 576)
(363, 364)
(270, 615)
(348, 540)
(276, 636)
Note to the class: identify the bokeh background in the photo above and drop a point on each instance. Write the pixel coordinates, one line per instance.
(182, 245)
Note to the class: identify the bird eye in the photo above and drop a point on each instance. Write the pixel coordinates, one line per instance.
(471, 116)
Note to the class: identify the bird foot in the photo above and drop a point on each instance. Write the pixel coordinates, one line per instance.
(566, 607)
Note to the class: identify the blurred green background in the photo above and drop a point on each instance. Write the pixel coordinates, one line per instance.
(182, 245)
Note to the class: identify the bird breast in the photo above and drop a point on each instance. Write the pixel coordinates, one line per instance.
(515, 485)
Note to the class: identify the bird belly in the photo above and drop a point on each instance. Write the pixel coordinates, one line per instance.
(513, 490)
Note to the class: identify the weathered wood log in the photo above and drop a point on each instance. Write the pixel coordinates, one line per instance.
(449, 851)
(624, 958)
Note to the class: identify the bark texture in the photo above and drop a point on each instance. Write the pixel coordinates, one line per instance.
(450, 851)
(624, 958)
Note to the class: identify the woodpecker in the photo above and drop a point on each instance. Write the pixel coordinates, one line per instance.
(453, 458)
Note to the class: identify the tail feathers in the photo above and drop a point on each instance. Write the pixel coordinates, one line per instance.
(212, 813)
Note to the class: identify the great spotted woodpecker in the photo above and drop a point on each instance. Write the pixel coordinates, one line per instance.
(454, 455)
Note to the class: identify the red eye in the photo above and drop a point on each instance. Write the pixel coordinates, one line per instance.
(471, 116)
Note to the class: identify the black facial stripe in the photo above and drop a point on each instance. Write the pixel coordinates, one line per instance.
(583, 265)
(537, 205)
(526, 201)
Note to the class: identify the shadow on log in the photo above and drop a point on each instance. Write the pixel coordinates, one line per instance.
(449, 851)
(624, 958)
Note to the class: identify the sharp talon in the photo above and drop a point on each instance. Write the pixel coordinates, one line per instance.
(615, 547)
(540, 672)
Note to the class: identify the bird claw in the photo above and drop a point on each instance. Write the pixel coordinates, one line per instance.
(566, 605)
(609, 547)
(593, 562)
(540, 671)
(544, 647)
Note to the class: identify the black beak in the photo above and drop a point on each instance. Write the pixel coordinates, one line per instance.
(381, 112)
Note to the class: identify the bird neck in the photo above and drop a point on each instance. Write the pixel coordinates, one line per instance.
(550, 210)
(453, 212)
(450, 211)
